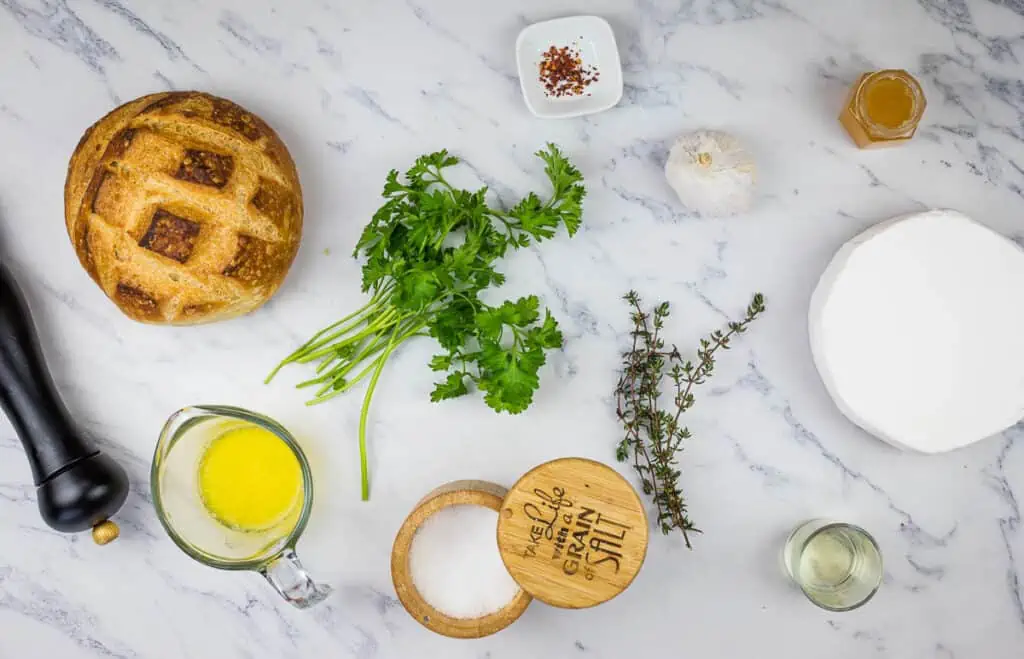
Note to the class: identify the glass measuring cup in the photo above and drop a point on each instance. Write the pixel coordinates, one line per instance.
(174, 480)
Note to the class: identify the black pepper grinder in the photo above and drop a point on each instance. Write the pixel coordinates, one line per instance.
(77, 486)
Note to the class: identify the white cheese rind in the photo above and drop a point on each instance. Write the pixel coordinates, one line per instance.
(916, 332)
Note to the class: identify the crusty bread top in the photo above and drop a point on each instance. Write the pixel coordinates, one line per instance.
(184, 208)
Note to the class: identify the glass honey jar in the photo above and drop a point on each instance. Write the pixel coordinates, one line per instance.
(883, 108)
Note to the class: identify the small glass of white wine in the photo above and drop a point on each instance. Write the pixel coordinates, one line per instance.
(837, 565)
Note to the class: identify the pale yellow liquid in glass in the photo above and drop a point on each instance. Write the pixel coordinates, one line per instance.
(827, 560)
(250, 480)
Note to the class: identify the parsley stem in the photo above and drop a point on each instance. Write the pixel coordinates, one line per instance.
(363, 471)
(337, 332)
(339, 370)
(362, 311)
(378, 326)
(345, 329)
(340, 385)
(406, 332)
(508, 225)
(316, 341)
(324, 363)
(334, 379)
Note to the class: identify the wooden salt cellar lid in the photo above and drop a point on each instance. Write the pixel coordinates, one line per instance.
(573, 533)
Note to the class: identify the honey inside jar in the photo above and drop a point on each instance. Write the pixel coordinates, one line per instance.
(883, 108)
(889, 102)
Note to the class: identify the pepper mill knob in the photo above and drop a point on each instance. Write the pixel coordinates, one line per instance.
(105, 532)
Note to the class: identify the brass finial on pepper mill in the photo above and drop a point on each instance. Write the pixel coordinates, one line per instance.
(105, 532)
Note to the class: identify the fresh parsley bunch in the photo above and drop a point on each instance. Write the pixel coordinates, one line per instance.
(429, 252)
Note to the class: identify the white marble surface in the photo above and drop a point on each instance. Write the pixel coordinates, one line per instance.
(356, 88)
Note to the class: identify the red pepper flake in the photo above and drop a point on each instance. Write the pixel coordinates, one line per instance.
(563, 73)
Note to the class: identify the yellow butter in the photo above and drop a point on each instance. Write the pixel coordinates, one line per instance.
(249, 479)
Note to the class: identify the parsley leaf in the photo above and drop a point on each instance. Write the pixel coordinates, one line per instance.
(453, 387)
(509, 377)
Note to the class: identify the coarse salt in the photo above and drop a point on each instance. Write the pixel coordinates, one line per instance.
(455, 563)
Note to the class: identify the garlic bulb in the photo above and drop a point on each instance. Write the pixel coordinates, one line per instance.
(712, 173)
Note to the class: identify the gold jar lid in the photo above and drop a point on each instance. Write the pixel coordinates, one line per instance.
(573, 533)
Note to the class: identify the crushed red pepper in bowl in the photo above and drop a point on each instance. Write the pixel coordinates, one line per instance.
(563, 73)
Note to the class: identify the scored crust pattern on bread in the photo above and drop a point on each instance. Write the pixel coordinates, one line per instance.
(184, 208)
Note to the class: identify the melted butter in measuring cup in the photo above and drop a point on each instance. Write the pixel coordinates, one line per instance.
(249, 479)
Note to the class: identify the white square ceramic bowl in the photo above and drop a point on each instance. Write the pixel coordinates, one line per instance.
(594, 39)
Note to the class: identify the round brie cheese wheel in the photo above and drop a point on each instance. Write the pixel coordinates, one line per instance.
(917, 332)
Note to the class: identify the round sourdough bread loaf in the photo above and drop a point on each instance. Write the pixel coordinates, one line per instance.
(184, 208)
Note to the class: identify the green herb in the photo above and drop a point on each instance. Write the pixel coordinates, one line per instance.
(652, 434)
(430, 251)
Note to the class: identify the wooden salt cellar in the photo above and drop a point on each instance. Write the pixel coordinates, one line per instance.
(478, 493)
(572, 533)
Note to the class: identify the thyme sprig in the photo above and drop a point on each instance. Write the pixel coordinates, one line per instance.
(652, 434)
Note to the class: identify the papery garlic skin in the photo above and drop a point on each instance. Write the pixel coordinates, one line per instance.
(712, 172)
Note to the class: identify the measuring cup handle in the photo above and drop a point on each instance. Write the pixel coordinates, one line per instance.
(286, 574)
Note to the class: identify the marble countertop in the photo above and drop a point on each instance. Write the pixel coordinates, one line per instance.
(357, 88)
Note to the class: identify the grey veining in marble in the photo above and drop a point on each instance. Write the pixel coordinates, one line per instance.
(357, 88)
